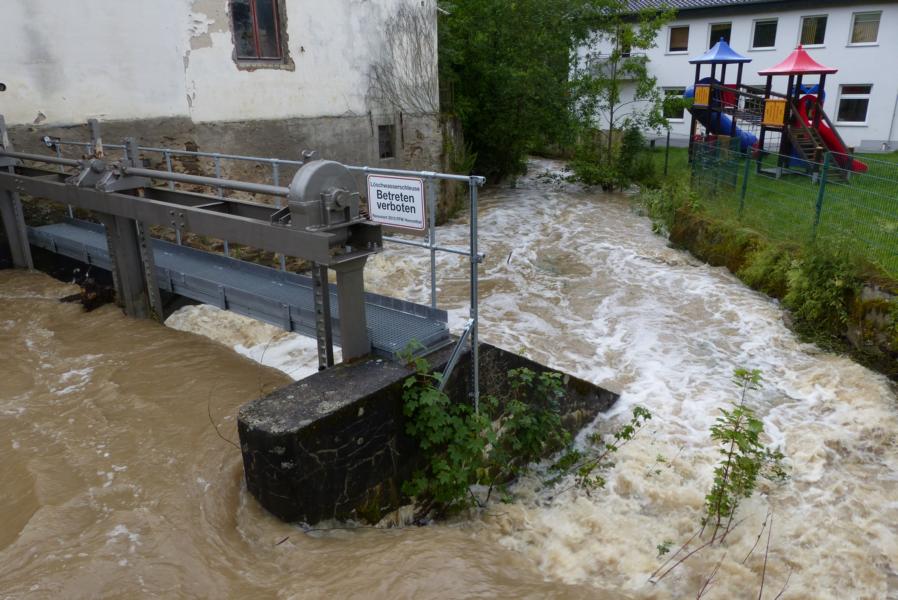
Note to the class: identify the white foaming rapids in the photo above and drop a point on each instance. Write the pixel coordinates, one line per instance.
(293, 354)
(578, 281)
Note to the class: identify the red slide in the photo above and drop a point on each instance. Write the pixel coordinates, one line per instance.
(840, 152)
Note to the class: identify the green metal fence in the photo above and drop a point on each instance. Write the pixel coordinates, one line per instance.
(803, 201)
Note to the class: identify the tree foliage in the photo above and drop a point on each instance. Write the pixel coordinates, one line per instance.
(614, 64)
(507, 64)
(529, 74)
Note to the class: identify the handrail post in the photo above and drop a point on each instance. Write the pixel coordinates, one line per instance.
(821, 193)
(220, 192)
(276, 181)
(11, 213)
(432, 240)
(475, 259)
(69, 210)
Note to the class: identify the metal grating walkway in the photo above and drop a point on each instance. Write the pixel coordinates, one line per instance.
(277, 297)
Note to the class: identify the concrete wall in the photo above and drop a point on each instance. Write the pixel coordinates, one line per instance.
(857, 64)
(334, 445)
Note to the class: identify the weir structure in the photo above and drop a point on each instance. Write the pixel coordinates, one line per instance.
(333, 445)
(317, 218)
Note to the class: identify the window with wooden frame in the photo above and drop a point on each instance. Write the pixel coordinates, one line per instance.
(258, 31)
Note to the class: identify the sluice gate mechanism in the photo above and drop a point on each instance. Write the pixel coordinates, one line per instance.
(316, 218)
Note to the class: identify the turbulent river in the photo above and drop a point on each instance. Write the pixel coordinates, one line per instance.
(115, 483)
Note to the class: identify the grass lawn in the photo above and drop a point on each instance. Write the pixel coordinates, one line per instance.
(860, 212)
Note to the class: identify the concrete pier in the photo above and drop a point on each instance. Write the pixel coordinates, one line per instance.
(333, 446)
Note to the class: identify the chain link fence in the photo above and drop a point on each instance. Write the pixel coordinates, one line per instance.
(798, 201)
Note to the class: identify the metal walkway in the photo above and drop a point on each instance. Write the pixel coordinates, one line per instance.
(277, 297)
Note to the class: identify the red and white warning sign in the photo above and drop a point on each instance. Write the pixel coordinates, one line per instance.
(396, 201)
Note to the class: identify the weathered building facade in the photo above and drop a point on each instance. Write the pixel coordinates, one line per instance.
(259, 77)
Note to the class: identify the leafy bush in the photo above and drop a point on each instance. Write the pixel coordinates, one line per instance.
(821, 287)
(463, 448)
(632, 162)
(662, 204)
(596, 173)
(588, 464)
(490, 448)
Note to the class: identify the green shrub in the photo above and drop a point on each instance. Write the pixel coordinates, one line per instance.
(490, 448)
(821, 287)
(767, 270)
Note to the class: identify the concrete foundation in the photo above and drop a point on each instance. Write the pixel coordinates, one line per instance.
(333, 446)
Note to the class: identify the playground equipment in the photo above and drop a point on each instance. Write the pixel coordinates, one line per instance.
(793, 125)
(714, 98)
(807, 131)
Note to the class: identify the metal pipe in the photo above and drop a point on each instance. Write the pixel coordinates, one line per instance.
(243, 186)
(191, 153)
(888, 143)
(276, 180)
(168, 167)
(220, 194)
(68, 162)
(374, 170)
(425, 174)
(426, 246)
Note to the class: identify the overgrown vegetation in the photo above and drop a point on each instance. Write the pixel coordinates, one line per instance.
(588, 464)
(463, 449)
(624, 164)
(617, 98)
(822, 285)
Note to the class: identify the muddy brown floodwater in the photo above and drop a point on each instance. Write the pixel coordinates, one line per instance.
(114, 484)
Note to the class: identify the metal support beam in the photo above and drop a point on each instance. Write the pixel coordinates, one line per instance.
(351, 304)
(11, 212)
(16, 233)
(133, 267)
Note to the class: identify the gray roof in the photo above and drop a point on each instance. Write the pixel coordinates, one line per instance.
(693, 4)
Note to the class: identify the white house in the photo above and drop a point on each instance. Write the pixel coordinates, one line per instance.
(265, 77)
(858, 38)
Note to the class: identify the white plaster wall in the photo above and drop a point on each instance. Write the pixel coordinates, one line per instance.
(876, 65)
(131, 59)
(69, 60)
(332, 45)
